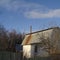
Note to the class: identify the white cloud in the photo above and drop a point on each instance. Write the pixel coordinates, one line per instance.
(20, 5)
(29, 10)
(42, 14)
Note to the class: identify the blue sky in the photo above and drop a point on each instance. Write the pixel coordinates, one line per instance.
(21, 14)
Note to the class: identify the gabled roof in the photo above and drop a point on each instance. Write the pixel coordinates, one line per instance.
(42, 30)
(34, 37)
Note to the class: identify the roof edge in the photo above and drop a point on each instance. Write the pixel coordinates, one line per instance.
(42, 30)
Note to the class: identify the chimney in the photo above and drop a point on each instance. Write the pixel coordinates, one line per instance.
(30, 29)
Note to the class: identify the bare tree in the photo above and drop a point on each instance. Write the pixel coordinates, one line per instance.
(8, 40)
(3, 38)
(46, 43)
(49, 45)
(14, 38)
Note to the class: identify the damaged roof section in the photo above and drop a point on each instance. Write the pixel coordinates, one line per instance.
(28, 39)
(34, 37)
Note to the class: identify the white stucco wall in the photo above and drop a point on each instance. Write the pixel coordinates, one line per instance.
(40, 51)
(27, 51)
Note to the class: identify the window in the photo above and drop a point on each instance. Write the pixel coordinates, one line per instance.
(35, 50)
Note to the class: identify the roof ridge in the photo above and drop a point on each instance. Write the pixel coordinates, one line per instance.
(42, 30)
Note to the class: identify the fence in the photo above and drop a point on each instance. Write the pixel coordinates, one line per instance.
(54, 57)
(4, 55)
